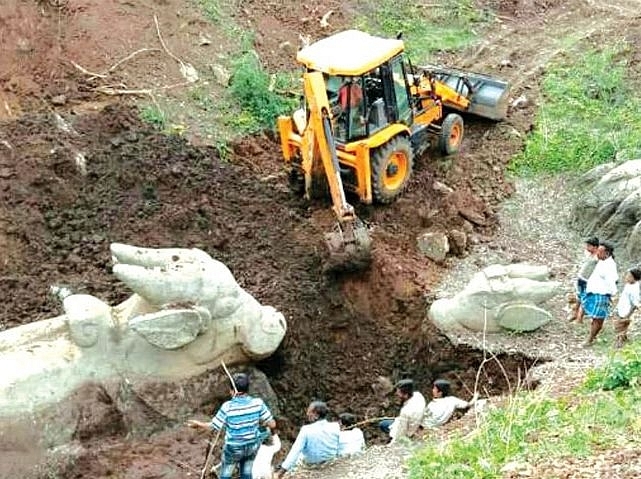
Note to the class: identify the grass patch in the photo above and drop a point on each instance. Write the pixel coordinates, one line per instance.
(153, 115)
(212, 10)
(426, 29)
(534, 429)
(590, 115)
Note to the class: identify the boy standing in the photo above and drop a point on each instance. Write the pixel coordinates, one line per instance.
(629, 300)
(586, 269)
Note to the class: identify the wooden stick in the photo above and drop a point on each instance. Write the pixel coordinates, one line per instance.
(162, 42)
(143, 91)
(209, 454)
(231, 380)
(87, 72)
(367, 421)
(130, 56)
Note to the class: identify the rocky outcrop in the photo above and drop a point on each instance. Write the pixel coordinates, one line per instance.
(609, 205)
(498, 298)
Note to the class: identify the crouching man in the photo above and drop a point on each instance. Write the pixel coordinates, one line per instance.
(441, 408)
(411, 415)
(316, 442)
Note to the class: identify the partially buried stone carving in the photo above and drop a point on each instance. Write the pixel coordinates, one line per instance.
(497, 298)
(187, 315)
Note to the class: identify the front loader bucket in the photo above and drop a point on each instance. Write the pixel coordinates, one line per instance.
(349, 247)
(488, 95)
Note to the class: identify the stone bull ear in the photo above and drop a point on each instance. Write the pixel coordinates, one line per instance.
(172, 328)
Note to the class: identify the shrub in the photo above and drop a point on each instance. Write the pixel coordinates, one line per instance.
(254, 91)
(624, 370)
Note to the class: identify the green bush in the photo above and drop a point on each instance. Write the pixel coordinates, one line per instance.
(624, 370)
(589, 115)
(252, 88)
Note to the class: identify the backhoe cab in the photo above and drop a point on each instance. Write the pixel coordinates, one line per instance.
(366, 116)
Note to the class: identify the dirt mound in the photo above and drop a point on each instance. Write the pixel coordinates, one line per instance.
(283, 27)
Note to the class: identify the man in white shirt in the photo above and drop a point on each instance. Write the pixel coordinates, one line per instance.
(442, 406)
(601, 286)
(351, 439)
(629, 300)
(316, 442)
(411, 415)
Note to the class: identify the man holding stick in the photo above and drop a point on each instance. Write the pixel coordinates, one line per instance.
(241, 417)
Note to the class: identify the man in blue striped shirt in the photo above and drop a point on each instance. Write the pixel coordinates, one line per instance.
(241, 417)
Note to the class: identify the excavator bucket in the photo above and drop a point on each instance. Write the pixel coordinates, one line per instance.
(349, 247)
(488, 95)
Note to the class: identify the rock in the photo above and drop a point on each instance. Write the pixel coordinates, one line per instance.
(6, 173)
(287, 47)
(382, 387)
(520, 102)
(458, 241)
(522, 317)
(203, 40)
(259, 386)
(442, 188)
(59, 100)
(520, 468)
(485, 302)
(434, 245)
(468, 227)
(473, 216)
(221, 74)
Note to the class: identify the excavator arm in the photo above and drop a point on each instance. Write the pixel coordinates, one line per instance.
(349, 245)
(319, 148)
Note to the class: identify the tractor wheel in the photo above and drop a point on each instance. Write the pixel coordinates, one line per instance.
(391, 169)
(451, 137)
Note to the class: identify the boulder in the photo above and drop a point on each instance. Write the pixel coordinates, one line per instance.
(609, 205)
(498, 297)
(434, 245)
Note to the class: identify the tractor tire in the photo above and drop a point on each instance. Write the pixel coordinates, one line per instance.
(391, 169)
(451, 137)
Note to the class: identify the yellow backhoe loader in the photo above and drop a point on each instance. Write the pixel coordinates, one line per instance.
(367, 114)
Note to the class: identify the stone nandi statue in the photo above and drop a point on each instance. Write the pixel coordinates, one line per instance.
(498, 298)
(187, 315)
